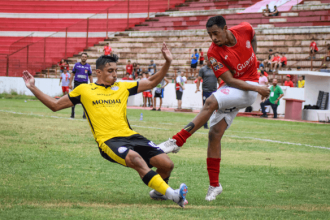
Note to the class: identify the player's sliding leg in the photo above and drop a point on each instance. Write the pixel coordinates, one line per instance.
(164, 167)
(213, 159)
(172, 145)
(154, 180)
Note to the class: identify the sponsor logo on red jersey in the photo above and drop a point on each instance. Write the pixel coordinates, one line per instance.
(216, 64)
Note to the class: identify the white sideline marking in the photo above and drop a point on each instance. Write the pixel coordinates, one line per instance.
(232, 136)
(273, 141)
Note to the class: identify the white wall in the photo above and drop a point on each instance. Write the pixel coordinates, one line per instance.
(190, 99)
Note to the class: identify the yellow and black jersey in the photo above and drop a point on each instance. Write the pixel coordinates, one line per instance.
(105, 108)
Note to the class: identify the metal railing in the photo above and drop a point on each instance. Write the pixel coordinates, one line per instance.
(45, 53)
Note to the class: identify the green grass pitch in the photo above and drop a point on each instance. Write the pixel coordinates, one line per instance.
(51, 168)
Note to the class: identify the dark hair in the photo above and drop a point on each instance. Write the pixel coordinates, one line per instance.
(200, 48)
(195, 49)
(104, 59)
(217, 20)
(262, 72)
(84, 53)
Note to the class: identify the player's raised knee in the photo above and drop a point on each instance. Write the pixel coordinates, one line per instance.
(211, 103)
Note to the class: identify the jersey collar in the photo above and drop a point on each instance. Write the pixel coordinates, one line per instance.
(105, 86)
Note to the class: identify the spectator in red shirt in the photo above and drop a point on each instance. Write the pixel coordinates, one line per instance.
(64, 65)
(275, 62)
(129, 67)
(312, 49)
(201, 57)
(127, 77)
(107, 49)
(284, 61)
(288, 81)
(267, 62)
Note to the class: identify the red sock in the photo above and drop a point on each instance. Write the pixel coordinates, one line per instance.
(213, 168)
(181, 137)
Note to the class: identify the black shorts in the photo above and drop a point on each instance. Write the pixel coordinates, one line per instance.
(76, 83)
(201, 62)
(178, 95)
(116, 149)
(158, 95)
(193, 66)
(314, 51)
(283, 64)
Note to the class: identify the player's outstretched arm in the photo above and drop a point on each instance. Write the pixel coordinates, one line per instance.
(52, 103)
(155, 79)
(228, 78)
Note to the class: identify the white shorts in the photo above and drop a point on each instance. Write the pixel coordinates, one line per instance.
(230, 101)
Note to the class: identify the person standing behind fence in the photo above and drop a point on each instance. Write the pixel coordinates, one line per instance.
(65, 79)
(80, 74)
(209, 85)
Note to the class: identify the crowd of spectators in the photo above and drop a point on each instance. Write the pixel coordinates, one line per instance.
(274, 62)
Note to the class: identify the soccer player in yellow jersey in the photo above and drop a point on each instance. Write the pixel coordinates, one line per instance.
(104, 103)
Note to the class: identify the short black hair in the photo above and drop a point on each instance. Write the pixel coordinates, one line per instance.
(84, 53)
(216, 20)
(104, 59)
(262, 72)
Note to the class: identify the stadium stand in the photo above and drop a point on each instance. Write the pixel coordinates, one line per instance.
(64, 24)
(183, 28)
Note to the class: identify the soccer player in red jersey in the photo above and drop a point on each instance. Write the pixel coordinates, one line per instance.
(233, 59)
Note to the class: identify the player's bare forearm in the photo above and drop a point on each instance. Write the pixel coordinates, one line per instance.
(90, 78)
(155, 79)
(52, 103)
(254, 44)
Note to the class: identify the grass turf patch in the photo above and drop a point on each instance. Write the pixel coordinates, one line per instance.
(51, 169)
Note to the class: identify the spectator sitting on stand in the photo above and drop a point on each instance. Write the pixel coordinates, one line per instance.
(275, 12)
(284, 61)
(159, 93)
(137, 70)
(266, 11)
(313, 49)
(268, 61)
(275, 62)
(301, 82)
(127, 77)
(63, 65)
(276, 93)
(288, 81)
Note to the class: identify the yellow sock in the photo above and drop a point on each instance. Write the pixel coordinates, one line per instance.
(155, 181)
